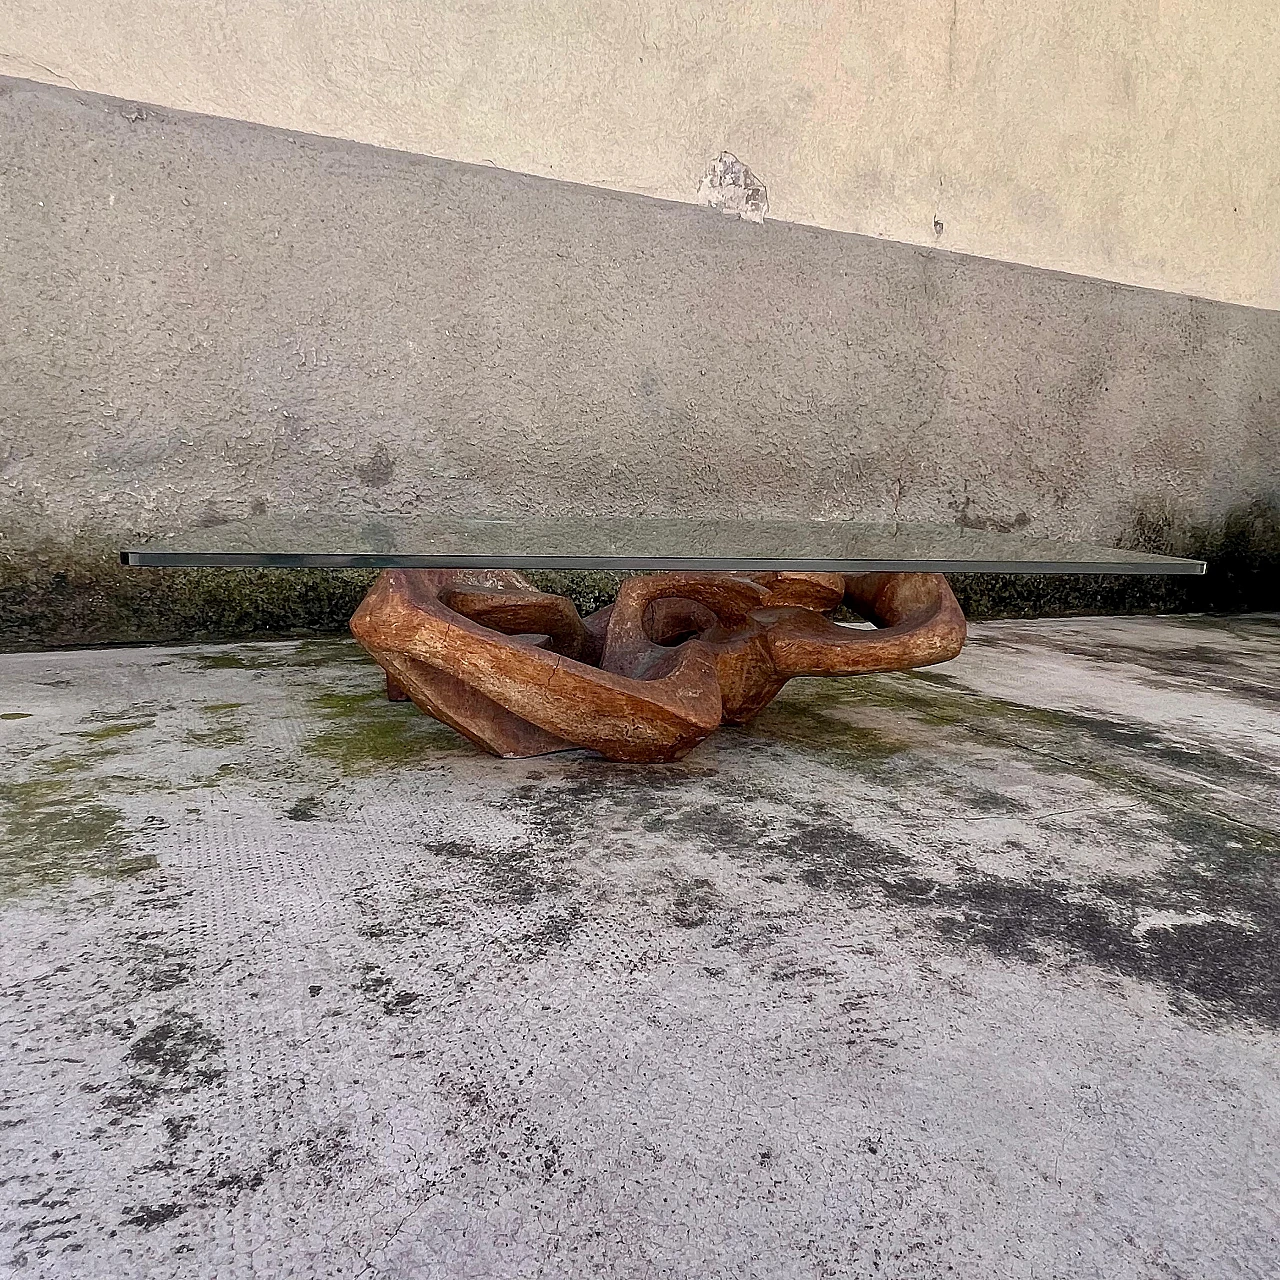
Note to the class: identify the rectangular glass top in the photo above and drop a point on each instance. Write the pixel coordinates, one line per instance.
(589, 542)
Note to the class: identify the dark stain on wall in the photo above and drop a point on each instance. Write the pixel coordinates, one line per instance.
(377, 472)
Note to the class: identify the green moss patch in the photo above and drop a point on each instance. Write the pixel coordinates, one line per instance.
(55, 829)
(109, 731)
(224, 726)
(364, 733)
(74, 594)
(802, 718)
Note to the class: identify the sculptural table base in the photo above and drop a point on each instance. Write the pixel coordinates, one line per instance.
(519, 672)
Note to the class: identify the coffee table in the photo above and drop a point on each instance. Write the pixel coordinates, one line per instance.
(727, 612)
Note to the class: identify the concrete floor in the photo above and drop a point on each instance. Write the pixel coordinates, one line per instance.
(973, 972)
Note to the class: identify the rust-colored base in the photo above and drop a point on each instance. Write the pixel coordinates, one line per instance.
(520, 673)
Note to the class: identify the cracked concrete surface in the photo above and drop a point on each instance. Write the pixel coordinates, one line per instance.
(969, 972)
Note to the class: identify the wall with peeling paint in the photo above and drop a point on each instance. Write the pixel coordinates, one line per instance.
(1134, 142)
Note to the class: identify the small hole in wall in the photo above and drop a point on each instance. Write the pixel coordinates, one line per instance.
(938, 225)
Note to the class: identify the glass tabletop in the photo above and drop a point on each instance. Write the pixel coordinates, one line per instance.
(588, 542)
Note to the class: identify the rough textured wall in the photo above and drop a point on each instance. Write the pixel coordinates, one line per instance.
(205, 318)
(1132, 141)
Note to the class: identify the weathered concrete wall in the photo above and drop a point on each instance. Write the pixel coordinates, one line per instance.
(205, 318)
(1128, 141)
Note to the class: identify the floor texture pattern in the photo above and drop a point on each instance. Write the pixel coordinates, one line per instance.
(971, 972)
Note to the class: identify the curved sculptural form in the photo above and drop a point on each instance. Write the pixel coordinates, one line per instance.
(520, 673)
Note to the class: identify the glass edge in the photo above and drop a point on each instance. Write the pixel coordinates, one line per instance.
(144, 558)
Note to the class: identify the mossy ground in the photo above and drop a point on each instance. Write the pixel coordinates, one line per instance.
(261, 927)
(54, 829)
(363, 733)
(920, 750)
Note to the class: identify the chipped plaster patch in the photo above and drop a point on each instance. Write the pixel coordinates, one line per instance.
(729, 186)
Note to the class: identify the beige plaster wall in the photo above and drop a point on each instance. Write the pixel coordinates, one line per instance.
(1136, 140)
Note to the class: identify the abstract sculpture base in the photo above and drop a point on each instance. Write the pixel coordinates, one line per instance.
(519, 672)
